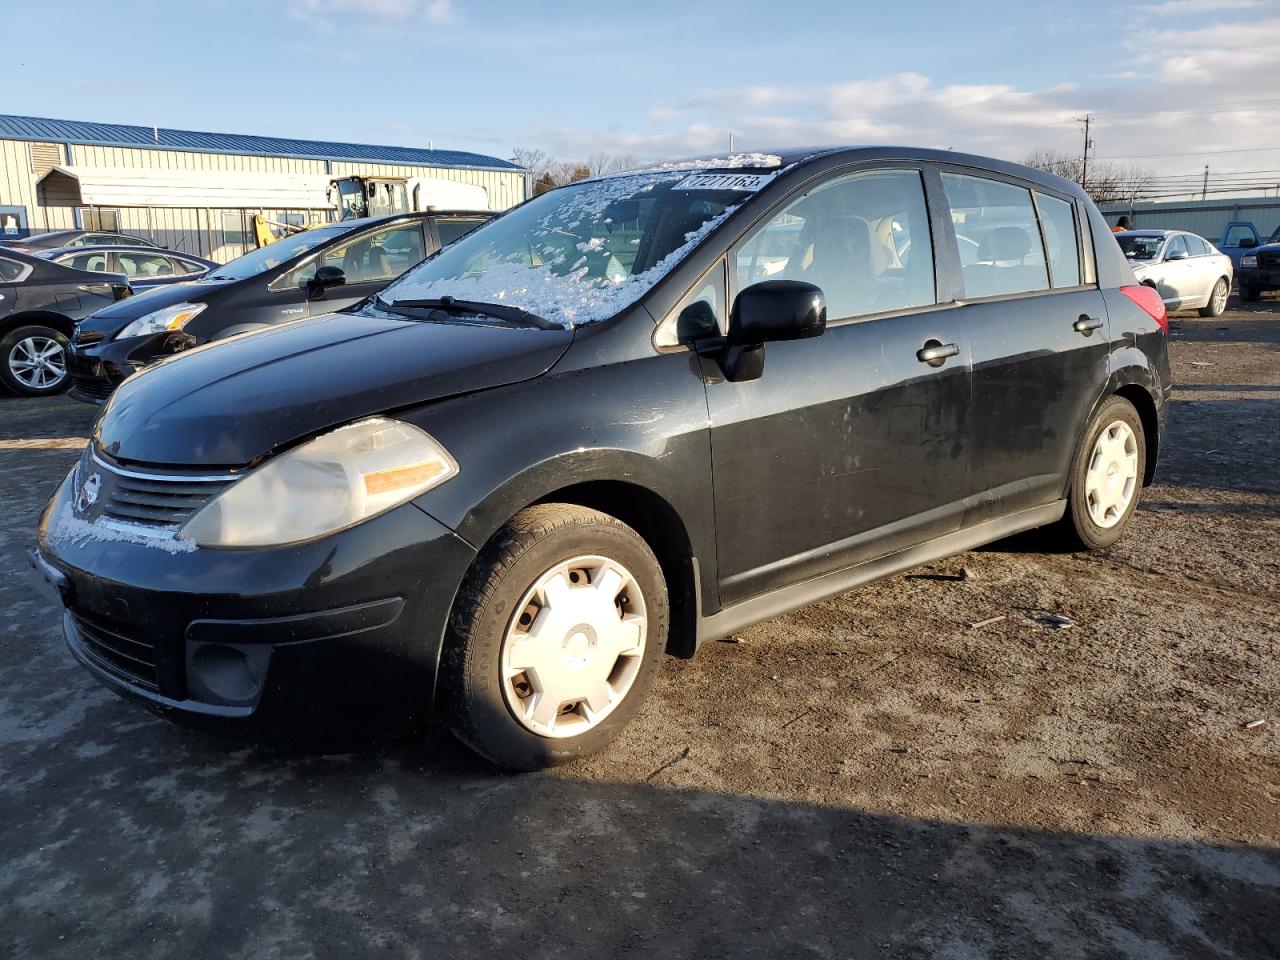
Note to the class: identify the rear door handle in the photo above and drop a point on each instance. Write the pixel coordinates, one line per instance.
(1086, 324)
(935, 353)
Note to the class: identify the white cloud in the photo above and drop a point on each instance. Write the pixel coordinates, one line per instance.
(435, 11)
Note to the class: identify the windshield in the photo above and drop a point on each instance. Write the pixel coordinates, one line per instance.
(1137, 247)
(581, 253)
(274, 254)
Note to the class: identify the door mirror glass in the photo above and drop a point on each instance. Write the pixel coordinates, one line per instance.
(777, 310)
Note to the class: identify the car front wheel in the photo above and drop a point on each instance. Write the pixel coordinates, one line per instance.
(556, 637)
(1106, 478)
(33, 361)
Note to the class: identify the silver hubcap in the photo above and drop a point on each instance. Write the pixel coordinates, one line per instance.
(574, 647)
(38, 362)
(1219, 297)
(1112, 477)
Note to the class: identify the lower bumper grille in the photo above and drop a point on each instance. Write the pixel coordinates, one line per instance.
(1269, 261)
(96, 387)
(118, 649)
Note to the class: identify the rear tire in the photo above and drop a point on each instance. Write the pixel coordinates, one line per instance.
(1106, 478)
(1217, 304)
(33, 360)
(527, 701)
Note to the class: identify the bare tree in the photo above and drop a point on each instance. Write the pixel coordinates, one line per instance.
(548, 173)
(1107, 180)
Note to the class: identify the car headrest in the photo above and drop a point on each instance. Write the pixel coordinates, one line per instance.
(1004, 243)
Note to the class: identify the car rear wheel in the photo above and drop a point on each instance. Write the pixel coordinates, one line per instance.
(33, 361)
(1106, 478)
(1217, 304)
(555, 639)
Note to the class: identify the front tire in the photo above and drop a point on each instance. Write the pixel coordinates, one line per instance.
(555, 639)
(33, 361)
(1217, 304)
(1106, 478)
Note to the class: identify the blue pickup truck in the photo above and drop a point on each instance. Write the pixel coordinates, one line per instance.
(1257, 261)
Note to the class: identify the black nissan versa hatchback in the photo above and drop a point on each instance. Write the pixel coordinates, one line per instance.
(318, 270)
(630, 415)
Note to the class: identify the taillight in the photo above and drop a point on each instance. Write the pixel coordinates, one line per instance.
(1149, 300)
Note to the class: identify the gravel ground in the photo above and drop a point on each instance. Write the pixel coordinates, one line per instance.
(868, 777)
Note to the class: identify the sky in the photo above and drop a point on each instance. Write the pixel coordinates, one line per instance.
(1172, 85)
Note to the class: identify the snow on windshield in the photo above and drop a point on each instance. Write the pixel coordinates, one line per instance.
(584, 252)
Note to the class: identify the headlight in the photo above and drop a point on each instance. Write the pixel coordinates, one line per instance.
(1249, 261)
(158, 321)
(333, 482)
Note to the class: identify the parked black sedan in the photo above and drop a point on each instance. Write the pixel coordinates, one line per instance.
(316, 271)
(74, 238)
(40, 303)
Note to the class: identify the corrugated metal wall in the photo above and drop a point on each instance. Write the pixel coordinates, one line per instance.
(1208, 218)
(202, 231)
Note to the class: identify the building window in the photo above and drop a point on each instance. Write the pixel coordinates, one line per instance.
(235, 229)
(99, 219)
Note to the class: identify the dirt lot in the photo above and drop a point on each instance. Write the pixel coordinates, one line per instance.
(868, 777)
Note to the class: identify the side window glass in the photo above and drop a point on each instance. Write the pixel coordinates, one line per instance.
(1236, 234)
(1058, 221)
(1197, 246)
(145, 265)
(94, 262)
(11, 269)
(863, 238)
(451, 228)
(1175, 248)
(703, 311)
(997, 236)
(378, 256)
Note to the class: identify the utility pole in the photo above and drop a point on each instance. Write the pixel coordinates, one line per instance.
(730, 142)
(1084, 160)
(1204, 190)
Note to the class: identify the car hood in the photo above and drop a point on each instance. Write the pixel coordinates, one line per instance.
(111, 320)
(234, 401)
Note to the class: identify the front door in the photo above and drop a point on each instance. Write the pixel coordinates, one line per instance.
(850, 445)
(1038, 329)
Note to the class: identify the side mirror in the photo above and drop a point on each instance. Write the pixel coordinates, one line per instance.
(770, 310)
(325, 278)
(1176, 255)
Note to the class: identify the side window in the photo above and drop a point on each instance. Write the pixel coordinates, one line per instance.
(94, 262)
(1197, 246)
(1236, 234)
(144, 265)
(184, 266)
(11, 270)
(703, 311)
(863, 238)
(997, 236)
(451, 228)
(365, 258)
(1176, 248)
(1057, 218)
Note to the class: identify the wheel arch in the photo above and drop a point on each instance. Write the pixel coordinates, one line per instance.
(63, 324)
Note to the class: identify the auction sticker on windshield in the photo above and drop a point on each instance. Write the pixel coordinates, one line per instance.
(724, 181)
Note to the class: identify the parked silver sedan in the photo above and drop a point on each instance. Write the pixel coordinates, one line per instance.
(1186, 270)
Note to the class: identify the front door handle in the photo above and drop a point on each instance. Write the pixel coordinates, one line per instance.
(1086, 324)
(935, 352)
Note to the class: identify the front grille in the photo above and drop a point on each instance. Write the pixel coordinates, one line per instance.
(116, 648)
(98, 388)
(150, 502)
(158, 501)
(1269, 260)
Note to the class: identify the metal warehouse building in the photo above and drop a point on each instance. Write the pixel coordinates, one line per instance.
(196, 192)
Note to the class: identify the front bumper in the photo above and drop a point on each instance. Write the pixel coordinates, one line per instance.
(355, 617)
(1258, 278)
(99, 367)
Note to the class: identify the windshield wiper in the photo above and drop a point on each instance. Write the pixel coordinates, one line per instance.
(498, 311)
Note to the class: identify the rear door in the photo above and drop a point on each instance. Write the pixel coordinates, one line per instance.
(1037, 324)
(849, 446)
